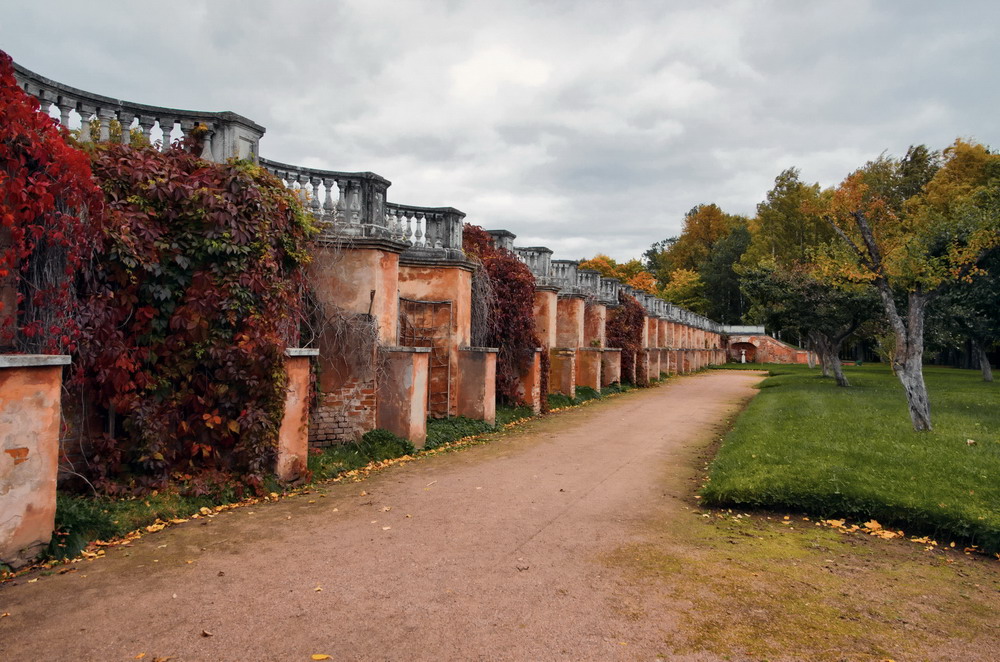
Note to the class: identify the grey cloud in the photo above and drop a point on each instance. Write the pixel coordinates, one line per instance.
(585, 126)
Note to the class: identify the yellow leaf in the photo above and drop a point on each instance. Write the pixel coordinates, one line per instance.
(139, 656)
(320, 656)
(234, 426)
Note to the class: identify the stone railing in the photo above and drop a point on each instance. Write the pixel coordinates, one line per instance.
(431, 232)
(503, 239)
(350, 204)
(228, 134)
(539, 261)
(564, 273)
(589, 282)
(609, 291)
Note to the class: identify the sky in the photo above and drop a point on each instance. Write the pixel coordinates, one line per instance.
(582, 126)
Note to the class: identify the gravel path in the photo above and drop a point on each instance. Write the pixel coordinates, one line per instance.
(498, 552)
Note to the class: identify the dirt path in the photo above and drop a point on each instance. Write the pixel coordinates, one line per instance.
(574, 537)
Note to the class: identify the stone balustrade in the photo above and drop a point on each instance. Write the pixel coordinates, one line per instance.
(348, 204)
(503, 239)
(564, 272)
(227, 134)
(431, 232)
(589, 282)
(609, 291)
(539, 261)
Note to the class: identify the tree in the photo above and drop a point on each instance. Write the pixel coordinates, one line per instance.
(686, 289)
(792, 298)
(969, 310)
(725, 300)
(788, 224)
(916, 246)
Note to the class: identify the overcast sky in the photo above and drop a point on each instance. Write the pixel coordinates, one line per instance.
(583, 126)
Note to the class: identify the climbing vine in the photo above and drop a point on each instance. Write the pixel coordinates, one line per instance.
(49, 208)
(512, 327)
(624, 330)
(194, 294)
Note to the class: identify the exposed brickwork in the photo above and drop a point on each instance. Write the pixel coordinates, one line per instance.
(343, 414)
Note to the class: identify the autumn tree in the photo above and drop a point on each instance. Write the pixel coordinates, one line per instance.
(912, 246)
(789, 223)
(686, 289)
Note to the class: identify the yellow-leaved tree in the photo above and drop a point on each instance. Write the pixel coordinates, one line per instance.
(908, 227)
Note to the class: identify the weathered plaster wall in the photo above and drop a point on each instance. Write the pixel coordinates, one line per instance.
(570, 322)
(347, 277)
(29, 456)
(443, 283)
(611, 366)
(562, 371)
(588, 371)
(545, 308)
(402, 393)
(293, 434)
(595, 318)
(477, 379)
(529, 387)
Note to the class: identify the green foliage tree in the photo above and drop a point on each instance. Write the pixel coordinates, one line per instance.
(914, 247)
(968, 310)
(788, 225)
(793, 299)
(725, 302)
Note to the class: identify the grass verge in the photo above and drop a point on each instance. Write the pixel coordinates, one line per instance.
(805, 444)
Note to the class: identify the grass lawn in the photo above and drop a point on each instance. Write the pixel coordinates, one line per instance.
(804, 444)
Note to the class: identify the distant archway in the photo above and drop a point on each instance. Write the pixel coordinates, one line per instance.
(736, 350)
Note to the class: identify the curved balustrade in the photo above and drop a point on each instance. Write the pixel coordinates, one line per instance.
(432, 232)
(228, 134)
(348, 204)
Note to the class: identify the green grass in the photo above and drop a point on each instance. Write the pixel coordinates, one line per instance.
(442, 431)
(805, 444)
(373, 446)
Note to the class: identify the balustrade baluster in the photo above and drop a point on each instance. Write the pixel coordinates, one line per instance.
(390, 222)
(418, 235)
(355, 203)
(408, 235)
(206, 144)
(125, 120)
(86, 112)
(104, 117)
(314, 204)
(65, 108)
(167, 127)
(328, 206)
(340, 216)
(146, 124)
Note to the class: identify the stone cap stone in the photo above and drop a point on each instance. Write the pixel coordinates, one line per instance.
(611, 349)
(411, 350)
(32, 360)
(301, 351)
(491, 350)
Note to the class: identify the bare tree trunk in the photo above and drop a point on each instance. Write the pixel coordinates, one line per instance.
(979, 351)
(829, 355)
(908, 359)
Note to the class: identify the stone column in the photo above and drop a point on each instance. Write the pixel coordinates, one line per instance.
(545, 308)
(588, 371)
(562, 371)
(529, 386)
(401, 405)
(611, 366)
(293, 434)
(30, 411)
(477, 383)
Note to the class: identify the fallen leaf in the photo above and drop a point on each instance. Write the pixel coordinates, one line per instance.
(139, 656)
(318, 589)
(206, 633)
(5, 614)
(32, 581)
(386, 528)
(319, 656)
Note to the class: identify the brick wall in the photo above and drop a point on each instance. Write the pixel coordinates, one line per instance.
(343, 414)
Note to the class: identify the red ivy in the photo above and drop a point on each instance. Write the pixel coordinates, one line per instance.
(513, 321)
(188, 308)
(46, 232)
(624, 329)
